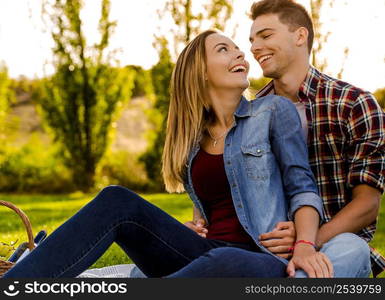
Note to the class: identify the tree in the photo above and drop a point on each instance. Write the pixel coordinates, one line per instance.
(188, 24)
(189, 20)
(6, 97)
(80, 100)
(161, 75)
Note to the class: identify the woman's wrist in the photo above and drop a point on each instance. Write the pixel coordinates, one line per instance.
(303, 243)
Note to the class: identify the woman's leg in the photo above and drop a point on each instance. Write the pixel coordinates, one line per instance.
(233, 262)
(156, 242)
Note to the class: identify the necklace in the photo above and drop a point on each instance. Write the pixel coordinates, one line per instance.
(215, 140)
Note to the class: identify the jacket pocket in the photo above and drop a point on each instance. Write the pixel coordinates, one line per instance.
(257, 161)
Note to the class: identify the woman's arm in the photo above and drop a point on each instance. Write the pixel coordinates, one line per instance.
(305, 256)
(290, 150)
(305, 205)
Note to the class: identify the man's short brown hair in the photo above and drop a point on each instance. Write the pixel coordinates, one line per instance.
(289, 12)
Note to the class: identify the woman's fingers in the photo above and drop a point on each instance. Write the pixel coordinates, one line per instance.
(198, 228)
(328, 264)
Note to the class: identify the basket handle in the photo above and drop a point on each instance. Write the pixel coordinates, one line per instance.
(25, 220)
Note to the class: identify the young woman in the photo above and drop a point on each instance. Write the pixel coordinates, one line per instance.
(244, 165)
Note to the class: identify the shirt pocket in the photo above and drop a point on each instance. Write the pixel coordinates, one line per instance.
(257, 161)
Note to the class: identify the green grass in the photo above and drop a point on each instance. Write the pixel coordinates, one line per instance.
(49, 211)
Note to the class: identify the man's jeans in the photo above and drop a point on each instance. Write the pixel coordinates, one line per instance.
(349, 254)
(157, 243)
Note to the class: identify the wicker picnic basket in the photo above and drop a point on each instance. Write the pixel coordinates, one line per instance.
(6, 265)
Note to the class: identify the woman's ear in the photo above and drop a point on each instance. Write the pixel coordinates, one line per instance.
(301, 36)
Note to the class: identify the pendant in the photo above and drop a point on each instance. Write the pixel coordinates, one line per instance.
(215, 143)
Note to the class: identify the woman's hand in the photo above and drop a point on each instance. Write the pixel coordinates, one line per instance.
(197, 226)
(315, 264)
(280, 240)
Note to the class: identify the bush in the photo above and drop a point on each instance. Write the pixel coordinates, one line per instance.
(33, 168)
(122, 168)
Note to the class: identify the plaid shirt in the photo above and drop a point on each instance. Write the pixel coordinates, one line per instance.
(346, 143)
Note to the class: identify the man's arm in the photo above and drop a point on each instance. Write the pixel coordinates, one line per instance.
(359, 213)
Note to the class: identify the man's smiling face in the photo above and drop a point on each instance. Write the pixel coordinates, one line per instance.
(273, 45)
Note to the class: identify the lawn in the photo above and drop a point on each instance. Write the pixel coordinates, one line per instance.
(49, 211)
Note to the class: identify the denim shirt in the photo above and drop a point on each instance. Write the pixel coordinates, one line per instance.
(266, 163)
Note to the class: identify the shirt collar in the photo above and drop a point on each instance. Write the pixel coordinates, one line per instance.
(307, 90)
(309, 86)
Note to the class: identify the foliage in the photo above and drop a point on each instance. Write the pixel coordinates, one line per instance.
(81, 99)
(188, 24)
(189, 21)
(380, 96)
(122, 168)
(33, 168)
(161, 76)
(6, 97)
(255, 85)
(142, 82)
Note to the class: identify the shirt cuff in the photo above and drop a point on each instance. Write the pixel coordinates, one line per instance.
(306, 199)
(366, 177)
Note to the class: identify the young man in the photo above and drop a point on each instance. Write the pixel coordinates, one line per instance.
(344, 129)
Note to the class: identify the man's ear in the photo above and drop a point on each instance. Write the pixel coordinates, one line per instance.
(301, 36)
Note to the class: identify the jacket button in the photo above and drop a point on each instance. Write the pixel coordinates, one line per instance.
(234, 185)
(228, 162)
(240, 205)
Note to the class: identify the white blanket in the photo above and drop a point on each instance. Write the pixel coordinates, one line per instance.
(116, 271)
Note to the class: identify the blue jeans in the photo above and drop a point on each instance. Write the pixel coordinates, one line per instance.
(348, 253)
(157, 243)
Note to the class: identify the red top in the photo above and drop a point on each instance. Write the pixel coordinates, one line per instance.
(213, 189)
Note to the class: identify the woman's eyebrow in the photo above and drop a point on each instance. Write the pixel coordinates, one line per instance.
(220, 44)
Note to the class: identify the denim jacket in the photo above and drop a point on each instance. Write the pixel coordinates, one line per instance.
(266, 164)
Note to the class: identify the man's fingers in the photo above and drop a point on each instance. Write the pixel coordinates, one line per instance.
(275, 234)
(284, 225)
(279, 249)
(277, 242)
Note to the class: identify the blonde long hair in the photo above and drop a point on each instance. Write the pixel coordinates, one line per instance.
(188, 112)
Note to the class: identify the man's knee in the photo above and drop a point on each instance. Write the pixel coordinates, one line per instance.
(349, 254)
(349, 243)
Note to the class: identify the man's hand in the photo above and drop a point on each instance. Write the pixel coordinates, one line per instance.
(315, 264)
(197, 226)
(280, 240)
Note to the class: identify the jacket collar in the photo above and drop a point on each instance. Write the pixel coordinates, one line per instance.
(244, 108)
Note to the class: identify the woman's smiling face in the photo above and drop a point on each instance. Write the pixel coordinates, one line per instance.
(226, 67)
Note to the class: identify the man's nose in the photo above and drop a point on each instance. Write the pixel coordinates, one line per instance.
(255, 47)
